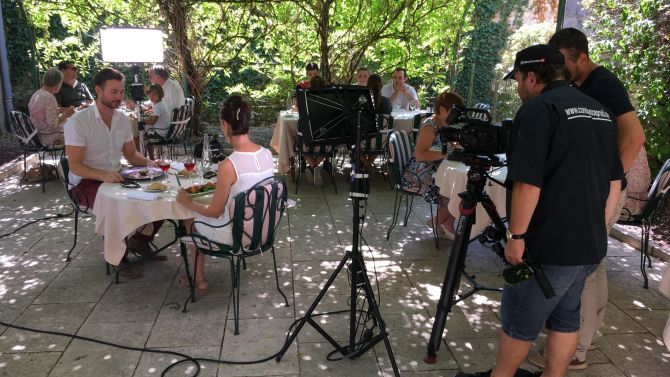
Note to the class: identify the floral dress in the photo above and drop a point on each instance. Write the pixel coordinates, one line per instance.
(418, 175)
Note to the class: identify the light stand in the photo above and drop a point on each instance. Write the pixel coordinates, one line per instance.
(137, 93)
(477, 175)
(359, 190)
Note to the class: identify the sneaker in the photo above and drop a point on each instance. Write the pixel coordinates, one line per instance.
(318, 180)
(526, 373)
(478, 374)
(537, 359)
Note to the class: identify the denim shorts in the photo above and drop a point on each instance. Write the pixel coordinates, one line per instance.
(525, 310)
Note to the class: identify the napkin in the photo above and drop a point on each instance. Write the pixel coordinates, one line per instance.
(139, 195)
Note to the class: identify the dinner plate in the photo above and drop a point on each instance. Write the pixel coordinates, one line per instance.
(202, 193)
(135, 173)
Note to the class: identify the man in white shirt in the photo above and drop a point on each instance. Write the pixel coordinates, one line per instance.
(399, 93)
(95, 140)
(173, 94)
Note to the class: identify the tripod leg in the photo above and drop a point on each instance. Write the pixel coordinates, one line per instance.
(308, 314)
(451, 282)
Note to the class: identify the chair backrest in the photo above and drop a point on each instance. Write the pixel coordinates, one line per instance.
(24, 129)
(385, 121)
(180, 118)
(256, 213)
(70, 189)
(419, 118)
(400, 152)
(657, 191)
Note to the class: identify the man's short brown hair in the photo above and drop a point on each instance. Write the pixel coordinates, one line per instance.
(106, 74)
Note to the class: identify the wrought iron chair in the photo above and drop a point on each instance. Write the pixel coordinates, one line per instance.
(79, 208)
(314, 150)
(645, 219)
(176, 132)
(376, 144)
(255, 215)
(25, 131)
(400, 153)
(416, 125)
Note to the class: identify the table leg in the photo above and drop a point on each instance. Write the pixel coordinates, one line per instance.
(292, 168)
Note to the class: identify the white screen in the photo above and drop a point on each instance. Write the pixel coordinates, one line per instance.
(131, 45)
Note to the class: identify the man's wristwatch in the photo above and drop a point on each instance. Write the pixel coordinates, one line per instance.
(512, 236)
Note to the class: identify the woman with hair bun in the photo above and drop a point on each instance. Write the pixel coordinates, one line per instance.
(247, 165)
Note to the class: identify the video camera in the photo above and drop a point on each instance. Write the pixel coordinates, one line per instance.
(473, 130)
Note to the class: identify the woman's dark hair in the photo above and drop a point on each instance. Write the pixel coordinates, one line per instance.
(448, 100)
(237, 113)
(105, 75)
(311, 66)
(317, 82)
(375, 83)
(156, 88)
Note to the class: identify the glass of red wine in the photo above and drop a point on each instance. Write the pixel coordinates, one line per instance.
(189, 165)
(164, 163)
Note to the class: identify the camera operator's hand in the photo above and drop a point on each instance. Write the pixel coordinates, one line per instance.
(514, 251)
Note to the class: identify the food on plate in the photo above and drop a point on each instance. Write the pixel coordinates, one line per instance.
(197, 189)
(143, 172)
(157, 186)
(184, 173)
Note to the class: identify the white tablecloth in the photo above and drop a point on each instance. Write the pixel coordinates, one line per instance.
(404, 120)
(452, 177)
(117, 216)
(283, 137)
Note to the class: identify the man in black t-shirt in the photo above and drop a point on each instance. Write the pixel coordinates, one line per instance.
(72, 92)
(603, 86)
(564, 172)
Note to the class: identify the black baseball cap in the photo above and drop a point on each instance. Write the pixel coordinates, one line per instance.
(536, 54)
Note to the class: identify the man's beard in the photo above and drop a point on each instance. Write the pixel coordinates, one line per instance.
(111, 104)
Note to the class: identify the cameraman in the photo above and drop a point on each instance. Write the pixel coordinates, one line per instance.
(565, 172)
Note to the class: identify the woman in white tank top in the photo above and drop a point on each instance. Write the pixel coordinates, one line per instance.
(247, 165)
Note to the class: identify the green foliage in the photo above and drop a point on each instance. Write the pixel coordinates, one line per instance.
(19, 52)
(486, 41)
(633, 40)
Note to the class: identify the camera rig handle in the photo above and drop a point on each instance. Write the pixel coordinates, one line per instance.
(540, 277)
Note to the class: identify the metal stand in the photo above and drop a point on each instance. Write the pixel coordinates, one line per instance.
(359, 280)
(475, 194)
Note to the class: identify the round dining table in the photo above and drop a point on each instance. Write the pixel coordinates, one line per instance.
(452, 178)
(283, 138)
(119, 211)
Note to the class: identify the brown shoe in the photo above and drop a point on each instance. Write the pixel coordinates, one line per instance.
(142, 248)
(127, 270)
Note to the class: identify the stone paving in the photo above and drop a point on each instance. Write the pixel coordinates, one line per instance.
(38, 289)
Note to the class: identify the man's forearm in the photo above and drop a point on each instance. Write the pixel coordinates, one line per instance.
(524, 201)
(85, 171)
(136, 159)
(612, 200)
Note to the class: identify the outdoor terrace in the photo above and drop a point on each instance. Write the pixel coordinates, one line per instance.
(39, 289)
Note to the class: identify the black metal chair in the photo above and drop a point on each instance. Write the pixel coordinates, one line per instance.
(255, 216)
(25, 131)
(416, 124)
(645, 219)
(303, 150)
(79, 208)
(176, 131)
(400, 153)
(376, 144)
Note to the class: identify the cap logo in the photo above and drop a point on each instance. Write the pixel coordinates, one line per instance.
(524, 62)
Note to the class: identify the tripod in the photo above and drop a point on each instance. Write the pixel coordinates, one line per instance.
(474, 194)
(359, 279)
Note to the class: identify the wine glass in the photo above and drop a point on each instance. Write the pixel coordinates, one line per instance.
(164, 163)
(412, 105)
(189, 164)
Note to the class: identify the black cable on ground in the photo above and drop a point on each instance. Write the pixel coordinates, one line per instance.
(57, 216)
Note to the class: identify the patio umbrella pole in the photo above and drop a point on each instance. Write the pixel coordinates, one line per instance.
(359, 190)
